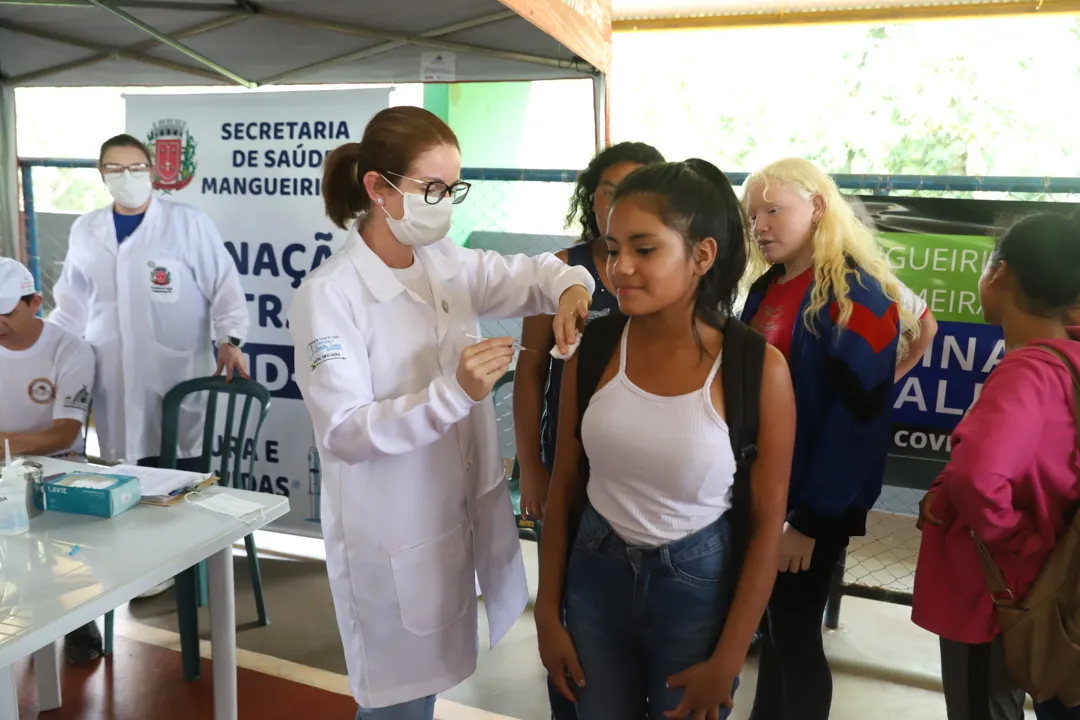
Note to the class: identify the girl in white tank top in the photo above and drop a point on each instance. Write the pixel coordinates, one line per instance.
(674, 482)
(656, 621)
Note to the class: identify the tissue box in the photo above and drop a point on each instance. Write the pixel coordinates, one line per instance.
(89, 493)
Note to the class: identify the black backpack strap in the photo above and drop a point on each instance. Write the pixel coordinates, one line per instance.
(744, 364)
(742, 370)
(598, 344)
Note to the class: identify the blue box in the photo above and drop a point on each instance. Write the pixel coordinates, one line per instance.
(89, 493)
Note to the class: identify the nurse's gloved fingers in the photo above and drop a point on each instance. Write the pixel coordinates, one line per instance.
(493, 369)
(491, 360)
(565, 331)
(485, 345)
(482, 365)
(582, 309)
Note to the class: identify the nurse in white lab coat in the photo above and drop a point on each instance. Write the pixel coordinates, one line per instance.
(149, 284)
(414, 499)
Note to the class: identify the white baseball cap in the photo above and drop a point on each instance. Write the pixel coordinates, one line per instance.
(16, 282)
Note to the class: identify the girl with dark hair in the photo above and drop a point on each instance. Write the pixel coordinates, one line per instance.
(657, 624)
(537, 378)
(415, 504)
(1011, 482)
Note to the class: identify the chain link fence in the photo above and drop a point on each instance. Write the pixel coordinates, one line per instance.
(522, 211)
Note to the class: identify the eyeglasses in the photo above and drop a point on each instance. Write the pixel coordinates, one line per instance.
(436, 190)
(115, 168)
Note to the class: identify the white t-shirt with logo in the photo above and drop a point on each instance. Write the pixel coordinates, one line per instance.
(50, 380)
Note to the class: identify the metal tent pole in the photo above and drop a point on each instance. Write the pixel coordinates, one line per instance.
(32, 261)
(9, 176)
(600, 108)
(165, 39)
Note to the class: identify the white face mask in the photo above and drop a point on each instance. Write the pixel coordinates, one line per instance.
(129, 190)
(423, 223)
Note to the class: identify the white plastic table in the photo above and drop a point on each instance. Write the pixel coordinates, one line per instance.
(46, 592)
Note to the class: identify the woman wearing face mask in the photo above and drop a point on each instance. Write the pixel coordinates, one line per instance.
(143, 281)
(415, 505)
(149, 284)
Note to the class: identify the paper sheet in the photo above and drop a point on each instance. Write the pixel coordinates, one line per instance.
(157, 482)
(227, 505)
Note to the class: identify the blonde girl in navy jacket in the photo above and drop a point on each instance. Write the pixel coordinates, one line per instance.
(825, 296)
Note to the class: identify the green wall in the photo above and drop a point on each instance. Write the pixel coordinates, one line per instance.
(545, 124)
(528, 125)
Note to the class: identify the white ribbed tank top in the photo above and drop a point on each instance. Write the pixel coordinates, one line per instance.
(660, 468)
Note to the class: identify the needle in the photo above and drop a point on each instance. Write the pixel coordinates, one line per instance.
(516, 346)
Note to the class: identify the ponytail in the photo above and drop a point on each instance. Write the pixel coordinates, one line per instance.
(342, 188)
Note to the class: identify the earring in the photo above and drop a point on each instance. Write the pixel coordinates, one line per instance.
(379, 201)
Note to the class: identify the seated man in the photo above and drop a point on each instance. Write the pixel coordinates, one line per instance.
(47, 377)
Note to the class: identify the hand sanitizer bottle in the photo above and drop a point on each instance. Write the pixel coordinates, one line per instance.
(14, 519)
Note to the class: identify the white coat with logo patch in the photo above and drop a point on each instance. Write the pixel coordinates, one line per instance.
(414, 498)
(146, 306)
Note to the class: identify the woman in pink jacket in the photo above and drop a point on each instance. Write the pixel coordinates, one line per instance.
(1012, 479)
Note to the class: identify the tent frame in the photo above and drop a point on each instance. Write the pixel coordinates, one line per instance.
(242, 10)
(582, 27)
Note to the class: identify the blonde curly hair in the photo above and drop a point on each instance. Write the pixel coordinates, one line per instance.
(838, 237)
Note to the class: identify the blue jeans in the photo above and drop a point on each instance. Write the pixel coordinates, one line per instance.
(1054, 710)
(640, 615)
(420, 709)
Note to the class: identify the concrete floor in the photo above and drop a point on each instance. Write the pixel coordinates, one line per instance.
(884, 667)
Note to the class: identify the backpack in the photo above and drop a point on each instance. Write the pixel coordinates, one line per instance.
(1042, 630)
(743, 366)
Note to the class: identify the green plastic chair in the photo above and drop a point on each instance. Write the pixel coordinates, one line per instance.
(191, 585)
(527, 529)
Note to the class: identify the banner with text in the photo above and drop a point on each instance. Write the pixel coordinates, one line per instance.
(938, 248)
(253, 163)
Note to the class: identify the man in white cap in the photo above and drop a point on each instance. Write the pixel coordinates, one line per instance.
(47, 379)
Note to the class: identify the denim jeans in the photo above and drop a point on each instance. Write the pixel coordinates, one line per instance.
(640, 615)
(1055, 710)
(419, 709)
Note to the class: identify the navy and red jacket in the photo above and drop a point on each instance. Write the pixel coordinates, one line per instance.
(843, 380)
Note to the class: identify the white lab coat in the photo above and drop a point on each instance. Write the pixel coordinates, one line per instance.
(145, 306)
(414, 500)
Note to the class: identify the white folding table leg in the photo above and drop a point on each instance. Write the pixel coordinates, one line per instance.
(9, 696)
(219, 567)
(47, 672)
